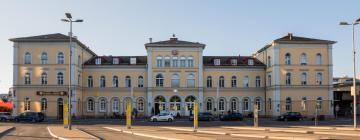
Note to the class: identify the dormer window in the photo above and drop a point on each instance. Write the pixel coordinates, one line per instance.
(251, 62)
(115, 61)
(132, 61)
(217, 62)
(98, 61)
(234, 62)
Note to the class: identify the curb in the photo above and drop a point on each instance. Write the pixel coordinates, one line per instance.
(53, 135)
(6, 131)
(87, 133)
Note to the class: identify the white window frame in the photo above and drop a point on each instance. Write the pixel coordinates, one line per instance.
(250, 62)
(222, 103)
(175, 78)
(140, 81)
(233, 62)
(258, 81)
(98, 61)
(60, 58)
(217, 62)
(115, 61)
(102, 82)
(102, 105)
(44, 58)
(60, 80)
(246, 82)
(28, 58)
(115, 105)
(233, 81)
(318, 59)
(175, 61)
(43, 104)
(90, 105)
(190, 81)
(190, 62)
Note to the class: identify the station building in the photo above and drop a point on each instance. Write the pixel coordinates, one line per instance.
(289, 74)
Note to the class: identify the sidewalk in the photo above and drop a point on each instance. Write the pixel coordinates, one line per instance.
(61, 133)
(4, 129)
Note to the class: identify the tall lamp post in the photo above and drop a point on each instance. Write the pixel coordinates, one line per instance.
(353, 89)
(70, 20)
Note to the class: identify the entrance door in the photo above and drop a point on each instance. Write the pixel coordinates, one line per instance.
(189, 108)
(60, 105)
(157, 110)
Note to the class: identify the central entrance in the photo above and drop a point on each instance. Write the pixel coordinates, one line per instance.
(189, 101)
(159, 104)
(175, 105)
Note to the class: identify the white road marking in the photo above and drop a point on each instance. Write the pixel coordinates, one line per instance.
(53, 135)
(140, 134)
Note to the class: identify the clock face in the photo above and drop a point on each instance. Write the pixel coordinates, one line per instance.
(174, 52)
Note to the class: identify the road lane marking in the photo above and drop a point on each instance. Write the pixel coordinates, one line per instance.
(53, 135)
(141, 134)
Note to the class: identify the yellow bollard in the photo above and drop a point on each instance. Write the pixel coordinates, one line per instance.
(196, 121)
(65, 114)
(128, 115)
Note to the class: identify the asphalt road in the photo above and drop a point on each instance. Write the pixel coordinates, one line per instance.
(28, 132)
(105, 134)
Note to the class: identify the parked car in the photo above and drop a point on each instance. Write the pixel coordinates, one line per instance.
(5, 116)
(30, 117)
(162, 117)
(290, 116)
(203, 116)
(232, 117)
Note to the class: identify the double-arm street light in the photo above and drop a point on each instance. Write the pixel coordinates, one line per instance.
(70, 20)
(353, 89)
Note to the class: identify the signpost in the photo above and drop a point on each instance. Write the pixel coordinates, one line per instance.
(128, 115)
(66, 115)
(196, 121)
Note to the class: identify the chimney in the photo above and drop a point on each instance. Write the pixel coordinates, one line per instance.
(150, 40)
(173, 39)
(290, 36)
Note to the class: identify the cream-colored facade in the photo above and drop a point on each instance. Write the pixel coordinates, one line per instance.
(171, 77)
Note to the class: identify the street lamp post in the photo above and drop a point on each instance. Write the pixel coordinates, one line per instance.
(354, 70)
(70, 20)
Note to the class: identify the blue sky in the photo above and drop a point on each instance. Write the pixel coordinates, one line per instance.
(227, 27)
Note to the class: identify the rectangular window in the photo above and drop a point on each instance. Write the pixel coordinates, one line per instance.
(133, 61)
(115, 61)
(175, 62)
(167, 61)
(234, 62)
(182, 63)
(217, 62)
(190, 63)
(98, 61)
(251, 62)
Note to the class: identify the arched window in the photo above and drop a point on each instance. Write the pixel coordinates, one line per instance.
(269, 80)
(288, 79)
(233, 81)
(44, 58)
(303, 59)
(221, 82)
(246, 104)
(209, 82)
(246, 81)
(102, 105)
(115, 81)
(159, 61)
(27, 58)
(222, 104)
(90, 105)
(319, 103)
(44, 78)
(115, 105)
(43, 104)
(233, 105)
(303, 78)
(209, 104)
(190, 62)
(128, 81)
(190, 81)
(27, 104)
(60, 58)
(257, 81)
(319, 78)
(60, 78)
(182, 61)
(258, 103)
(303, 103)
(102, 82)
(318, 59)
(167, 61)
(269, 61)
(288, 104)
(140, 105)
(159, 80)
(27, 78)
(141, 81)
(90, 81)
(287, 59)
(175, 81)
(175, 103)
(175, 61)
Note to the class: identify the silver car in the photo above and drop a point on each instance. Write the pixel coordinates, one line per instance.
(5, 116)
